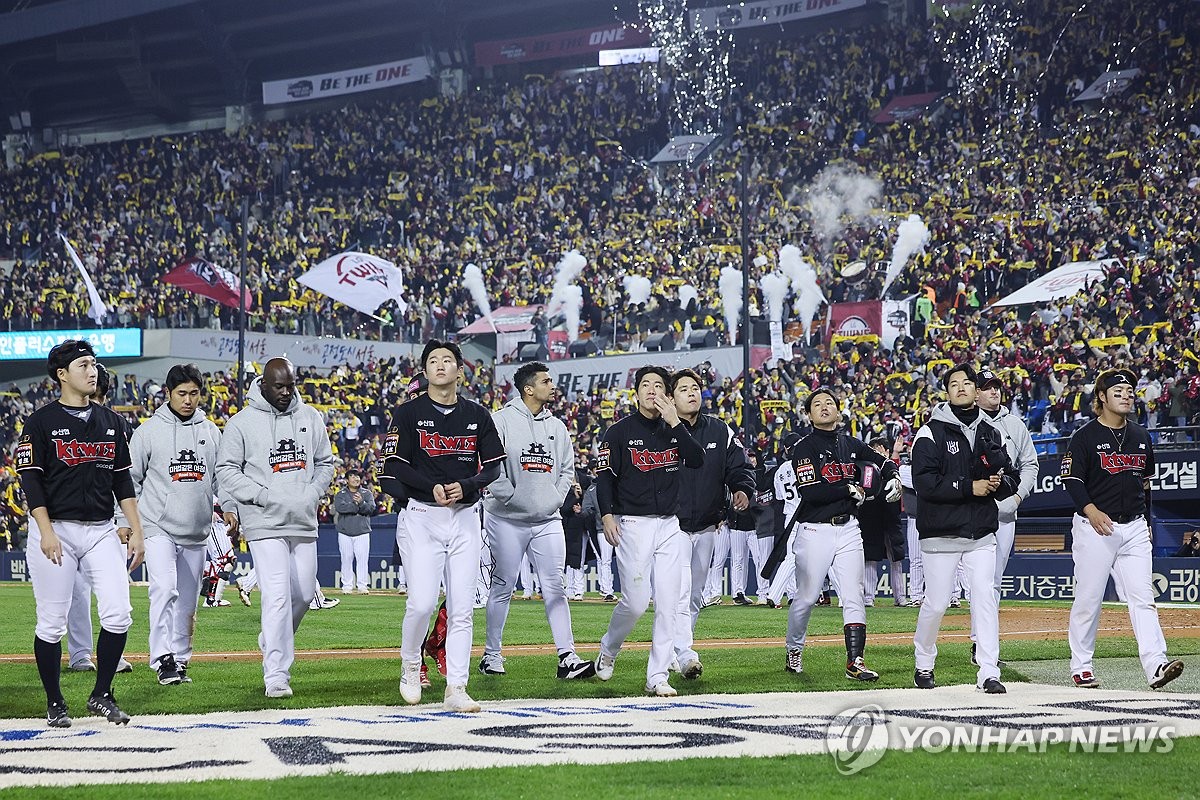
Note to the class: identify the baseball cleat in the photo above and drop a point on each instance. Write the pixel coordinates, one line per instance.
(244, 595)
(610, 598)
(425, 682)
(923, 679)
(571, 667)
(692, 669)
(182, 666)
(168, 671)
(1166, 673)
(410, 682)
(604, 666)
(279, 690)
(716, 600)
(992, 686)
(457, 699)
(106, 706)
(662, 689)
(795, 660)
(741, 599)
(1086, 680)
(56, 715)
(956, 603)
(857, 670)
(124, 666)
(491, 664)
(82, 666)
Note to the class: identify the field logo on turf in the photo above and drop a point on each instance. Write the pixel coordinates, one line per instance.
(857, 738)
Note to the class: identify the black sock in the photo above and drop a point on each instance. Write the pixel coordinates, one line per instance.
(49, 664)
(109, 648)
(856, 640)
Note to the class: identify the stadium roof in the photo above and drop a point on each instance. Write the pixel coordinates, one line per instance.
(88, 62)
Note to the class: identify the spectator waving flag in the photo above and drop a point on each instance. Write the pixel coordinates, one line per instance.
(363, 282)
(97, 311)
(207, 280)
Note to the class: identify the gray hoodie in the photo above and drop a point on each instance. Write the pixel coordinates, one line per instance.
(1023, 455)
(539, 469)
(173, 474)
(274, 466)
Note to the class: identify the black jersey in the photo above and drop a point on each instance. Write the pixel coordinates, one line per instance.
(638, 472)
(1109, 468)
(74, 468)
(826, 464)
(442, 447)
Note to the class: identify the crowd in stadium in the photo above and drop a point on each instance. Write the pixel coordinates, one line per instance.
(1012, 179)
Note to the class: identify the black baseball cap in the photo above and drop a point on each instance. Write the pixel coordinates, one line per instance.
(65, 352)
(417, 385)
(965, 368)
(1114, 377)
(987, 378)
(790, 440)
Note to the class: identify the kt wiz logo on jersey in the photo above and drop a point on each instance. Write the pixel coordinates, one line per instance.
(834, 472)
(646, 460)
(1114, 463)
(436, 444)
(75, 452)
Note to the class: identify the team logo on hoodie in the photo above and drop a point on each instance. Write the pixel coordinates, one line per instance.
(536, 459)
(287, 456)
(186, 467)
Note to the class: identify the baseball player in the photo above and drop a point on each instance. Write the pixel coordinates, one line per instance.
(79, 618)
(883, 538)
(522, 516)
(173, 455)
(1023, 456)
(702, 492)
(275, 464)
(832, 483)
(722, 550)
(444, 449)
(354, 505)
(638, 483)
(960, 471)
(73, 460)
(779, 571)
(915, 594)
(741, 527)
(1107, 469)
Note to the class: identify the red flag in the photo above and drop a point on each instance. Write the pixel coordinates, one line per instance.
(208, 280)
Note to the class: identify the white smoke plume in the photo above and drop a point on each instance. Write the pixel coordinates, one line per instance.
(911, 237)
(730, 287)
(637, 288)
(566, 296)
(572, 305)
(687, 293)
(836, 193)
(774, 287)
(473, 280)
(803, 276)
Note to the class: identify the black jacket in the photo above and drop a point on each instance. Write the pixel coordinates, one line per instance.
(944, 464)
(702, 501)
(641, 465)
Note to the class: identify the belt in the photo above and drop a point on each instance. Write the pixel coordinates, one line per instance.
(842, 520)
(1121, 519)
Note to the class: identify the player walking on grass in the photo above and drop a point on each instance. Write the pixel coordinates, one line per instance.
(702, 507)
(444, 449)
(832, 482)
(960, 470)
(1107, 471)
(73, 459)
(522, 515)
(275, 464)
(638, 477)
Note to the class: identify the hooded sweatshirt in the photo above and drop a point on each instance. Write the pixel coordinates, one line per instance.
(1023, 455)
(539, 469)
(274, 466)
(173, 474)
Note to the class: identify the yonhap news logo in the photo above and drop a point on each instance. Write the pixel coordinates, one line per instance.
(857, 738)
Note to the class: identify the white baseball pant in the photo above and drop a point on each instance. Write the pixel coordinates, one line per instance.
(89, 547)
(576, 582)
(916, 567)
(545, 543)
(248, 581)
(940, 571)
(530, 581)
(648, 553)
(1126, 555)
(739, 553)
(721, 549)
(871, 580)
(760, 551)
(822, 549)
(784, 583)
(604, 561)
(483, 572)
(355, 552)
(1005, 536)
(174, 571)
(695, 561)
(440, 543)
(79, 622)
(287, 580)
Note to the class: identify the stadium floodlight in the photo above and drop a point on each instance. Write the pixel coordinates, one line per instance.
(15, 121)
(692, 149)
(26, 119)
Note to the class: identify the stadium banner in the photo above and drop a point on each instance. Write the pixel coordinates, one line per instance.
(906, 107)
(508, 319)
(896, 316)
(208, 280)
(574, 375)
(36, 345)
(1108, 84)
(1175, 479)
(359, 280)
(735, 16)
(856, 319)
(583, 41)
(349, 81)
(1062, 282)
(303, 351)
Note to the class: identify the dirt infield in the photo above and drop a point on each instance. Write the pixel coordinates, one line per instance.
(1016, 622)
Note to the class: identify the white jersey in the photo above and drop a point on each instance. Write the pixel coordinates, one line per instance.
(906, 476)
(785, 490)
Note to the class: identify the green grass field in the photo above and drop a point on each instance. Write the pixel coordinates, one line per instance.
(374, 622)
